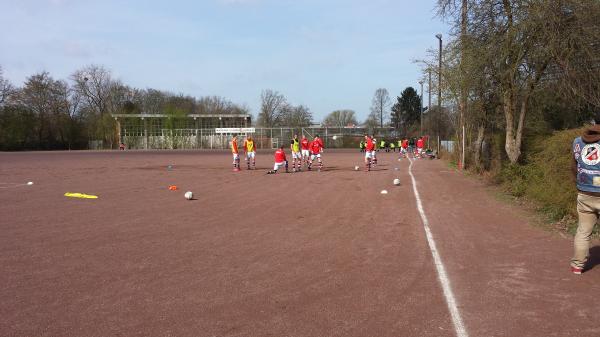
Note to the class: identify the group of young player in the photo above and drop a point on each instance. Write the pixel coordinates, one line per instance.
(304, 153)
(412, 146)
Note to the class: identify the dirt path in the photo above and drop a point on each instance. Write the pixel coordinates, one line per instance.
(511, 279)
(307, 254)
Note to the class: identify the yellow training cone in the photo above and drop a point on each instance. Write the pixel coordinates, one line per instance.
(80, 195)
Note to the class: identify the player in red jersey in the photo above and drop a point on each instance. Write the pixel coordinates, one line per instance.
(316, 147)
(405, 147)
(304, 145)
(420, 145)
(280, 160)
(369, 152)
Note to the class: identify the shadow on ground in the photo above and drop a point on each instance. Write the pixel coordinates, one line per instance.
(594, 259)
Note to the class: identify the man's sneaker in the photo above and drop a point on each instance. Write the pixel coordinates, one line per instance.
(576, 270)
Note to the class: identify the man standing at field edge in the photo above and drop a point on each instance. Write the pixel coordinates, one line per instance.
(586, 166)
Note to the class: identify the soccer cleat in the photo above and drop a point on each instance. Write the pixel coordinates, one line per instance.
(576, 270)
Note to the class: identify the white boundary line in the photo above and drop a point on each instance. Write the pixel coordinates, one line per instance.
(459, 326)
(11, 185)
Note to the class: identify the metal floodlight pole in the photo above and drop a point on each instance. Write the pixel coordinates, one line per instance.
(439, 37)
(429, 90)
(421, 112)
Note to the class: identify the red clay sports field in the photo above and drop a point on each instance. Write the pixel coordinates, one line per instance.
(305, 254)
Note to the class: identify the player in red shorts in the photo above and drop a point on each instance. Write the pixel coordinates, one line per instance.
(316, 147)
(280, 160)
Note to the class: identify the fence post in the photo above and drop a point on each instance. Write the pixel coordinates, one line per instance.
(145, 134)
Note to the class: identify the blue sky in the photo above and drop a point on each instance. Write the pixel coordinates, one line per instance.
(327, 55)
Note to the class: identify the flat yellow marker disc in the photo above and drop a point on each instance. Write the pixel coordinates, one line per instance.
(80, 195)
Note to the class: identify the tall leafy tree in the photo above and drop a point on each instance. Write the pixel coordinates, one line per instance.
(406, 112)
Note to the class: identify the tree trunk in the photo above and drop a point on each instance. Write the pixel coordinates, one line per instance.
(462, 105)
(514, 135)
(477, 147)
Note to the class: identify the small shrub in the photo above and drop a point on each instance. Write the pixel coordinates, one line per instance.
(546, 179)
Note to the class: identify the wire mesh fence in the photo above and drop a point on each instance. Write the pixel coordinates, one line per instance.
(264, 138)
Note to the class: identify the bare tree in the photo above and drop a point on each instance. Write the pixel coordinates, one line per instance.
(340, 118)
(380, 104)
(573, 39)
(295, 116)
(371, 122)
(6, 89)
(508, 56)
(94, 83)
(272, 103)
(153, 101)
(102, 96)
(48, 100)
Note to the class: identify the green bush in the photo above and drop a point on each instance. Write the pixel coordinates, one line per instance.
(551, 181)
(546, 178)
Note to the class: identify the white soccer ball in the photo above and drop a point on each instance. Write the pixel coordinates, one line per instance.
(384, 192)
(30, 183)
(356, 168)
(396, 181)
(189, 195)
(334, 137)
